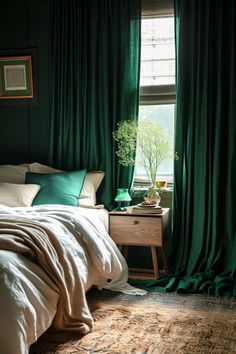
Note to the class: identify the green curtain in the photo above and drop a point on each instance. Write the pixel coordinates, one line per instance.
(94, 76)
(203, 259)
(205, 173)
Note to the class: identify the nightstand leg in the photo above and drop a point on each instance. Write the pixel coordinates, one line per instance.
(164, 260)
(155, 262)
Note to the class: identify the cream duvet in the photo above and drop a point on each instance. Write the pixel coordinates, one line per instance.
(49, 257)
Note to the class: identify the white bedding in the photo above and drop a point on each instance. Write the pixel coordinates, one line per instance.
(30, 298)
(101, 213)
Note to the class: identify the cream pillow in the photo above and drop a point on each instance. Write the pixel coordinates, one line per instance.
(13, 173)
(18, 195)
(92, 181)
(39, 168)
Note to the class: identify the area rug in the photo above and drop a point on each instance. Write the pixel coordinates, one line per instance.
(158, 323)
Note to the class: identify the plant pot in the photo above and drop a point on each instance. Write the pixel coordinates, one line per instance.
(151, 196)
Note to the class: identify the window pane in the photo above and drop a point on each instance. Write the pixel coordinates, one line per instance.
(164, 115)
(157, 52)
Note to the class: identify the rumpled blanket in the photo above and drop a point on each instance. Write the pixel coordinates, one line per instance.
(42, 245)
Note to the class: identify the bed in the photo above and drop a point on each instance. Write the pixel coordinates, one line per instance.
(51, 254)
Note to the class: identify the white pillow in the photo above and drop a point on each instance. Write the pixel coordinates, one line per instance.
(13, 173)
(18, 195)
(92, 181)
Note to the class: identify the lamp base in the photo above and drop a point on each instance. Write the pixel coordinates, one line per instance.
(121, 208)
(122, 205)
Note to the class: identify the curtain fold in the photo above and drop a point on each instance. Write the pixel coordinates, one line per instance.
(94, 76)
(204, 228)
(203, 256)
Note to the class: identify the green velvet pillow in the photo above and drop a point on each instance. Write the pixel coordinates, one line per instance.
(57, 188)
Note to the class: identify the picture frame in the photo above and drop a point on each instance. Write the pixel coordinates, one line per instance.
(16, 79)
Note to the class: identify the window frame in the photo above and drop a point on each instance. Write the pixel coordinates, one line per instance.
(156, 94)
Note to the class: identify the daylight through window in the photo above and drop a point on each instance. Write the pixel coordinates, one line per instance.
(157, 93)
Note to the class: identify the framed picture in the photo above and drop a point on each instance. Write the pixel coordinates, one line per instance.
(16, 79)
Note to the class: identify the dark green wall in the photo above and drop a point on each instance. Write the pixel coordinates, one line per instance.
(24, 124)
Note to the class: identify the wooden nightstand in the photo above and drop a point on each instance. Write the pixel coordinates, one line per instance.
(128, 229)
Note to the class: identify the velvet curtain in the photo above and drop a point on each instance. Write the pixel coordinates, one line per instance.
(203, 257)
(205, 173)
(94, 78)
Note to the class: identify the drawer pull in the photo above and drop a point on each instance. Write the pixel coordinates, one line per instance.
(136, 222)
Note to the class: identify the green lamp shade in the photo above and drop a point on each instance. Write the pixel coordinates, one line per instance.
(122, 198)
(122, 195)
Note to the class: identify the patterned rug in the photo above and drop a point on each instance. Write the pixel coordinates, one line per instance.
(158, 323)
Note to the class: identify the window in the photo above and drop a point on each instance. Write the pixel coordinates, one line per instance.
(157, 83)
(157, 52)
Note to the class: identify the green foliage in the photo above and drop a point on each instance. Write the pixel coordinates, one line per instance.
(153, 147)
(125, 135)
(151, 140)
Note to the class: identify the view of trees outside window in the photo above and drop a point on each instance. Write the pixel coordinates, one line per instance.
(163, 114)
(158, 69)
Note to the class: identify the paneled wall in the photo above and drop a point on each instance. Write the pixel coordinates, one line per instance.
(24, 124)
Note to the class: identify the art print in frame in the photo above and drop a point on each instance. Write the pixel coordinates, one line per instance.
(16, 79)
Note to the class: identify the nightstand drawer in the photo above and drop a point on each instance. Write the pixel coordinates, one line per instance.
(136, 230)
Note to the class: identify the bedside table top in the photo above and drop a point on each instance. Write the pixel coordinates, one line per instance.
(129, 212)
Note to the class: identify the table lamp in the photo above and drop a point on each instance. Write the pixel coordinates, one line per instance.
(122, 198)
